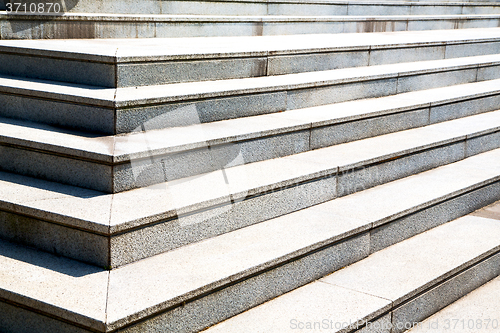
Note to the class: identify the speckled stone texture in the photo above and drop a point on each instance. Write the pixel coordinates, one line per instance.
(81, 25)
(387, 276)
(256, 290)
(437, 298)
(492, 211)
(406, 227)
(308, 168)
(139, 63)
(475, 312)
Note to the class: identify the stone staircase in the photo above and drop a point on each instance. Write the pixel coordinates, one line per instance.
(174, 184)
(34, 19)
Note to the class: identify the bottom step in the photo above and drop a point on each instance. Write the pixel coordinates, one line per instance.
(392, 290)
(193, 287)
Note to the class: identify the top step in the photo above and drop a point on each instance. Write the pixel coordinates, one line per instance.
(254, 7)
(27, 25)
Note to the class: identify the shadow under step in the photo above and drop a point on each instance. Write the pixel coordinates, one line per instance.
(116, 164)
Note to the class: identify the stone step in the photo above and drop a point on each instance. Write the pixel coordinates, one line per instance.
(391, 290)
(132, 109)
(115, 164)
(95, 25)
(476, 312)
(260, 7)
(136, 224)
(471, 1)
(141, 62)
(227, 275)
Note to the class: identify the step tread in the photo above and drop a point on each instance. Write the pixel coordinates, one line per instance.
(195, 274)
(144, 205)
(162, 49)
(117, 149)
(394, 274)
(134, 96)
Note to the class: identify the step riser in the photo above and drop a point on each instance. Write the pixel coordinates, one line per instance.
(153, 73)
(83, 117)
(170, 114)
(245, 294)
(133, 245)
(358, 179)
(161, 168)
(271, 8)
(61, 28)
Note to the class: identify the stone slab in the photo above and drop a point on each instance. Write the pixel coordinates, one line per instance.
(317, 305)
(447, 102)
(155, 168)
(64, 288)
(305, 306)
(231, 196)
(437, 298)
(432, 216)
(156, 270)
(406, 280)
(153, 207)
(128, 109)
